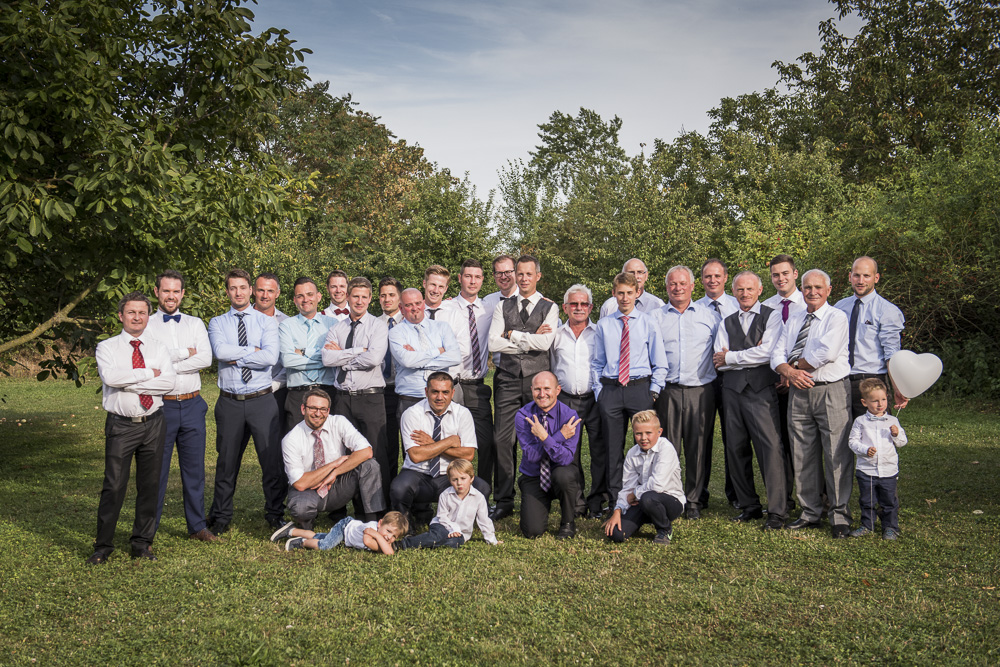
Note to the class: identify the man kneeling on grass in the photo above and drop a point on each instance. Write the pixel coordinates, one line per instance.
(371, 536)
(651, 488)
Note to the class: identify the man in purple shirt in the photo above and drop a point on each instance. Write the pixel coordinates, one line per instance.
(547, 431)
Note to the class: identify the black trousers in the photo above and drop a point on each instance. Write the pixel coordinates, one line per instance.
(510, 395)
(391, 430)
(857, 409)
(412, 487)
(720, 407)
(476, 397)
(683, 413)
(404, 403)
(566, 485)
(367, 413)
(660, 509)
(590, 416)
(124, 440)
(617, 405)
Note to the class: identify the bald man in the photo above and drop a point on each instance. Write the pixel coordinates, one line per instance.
(645, 302)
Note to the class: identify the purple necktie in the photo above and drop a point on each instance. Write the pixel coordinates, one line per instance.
(785, 303)
(545, 466)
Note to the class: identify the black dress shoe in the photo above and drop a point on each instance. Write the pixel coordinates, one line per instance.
(275, 522)
(145, 553)
(566, 531)
(692, 513)
(218, 527)
(840, 532)
(595, 514)
(748, 515)
(500, 512)
(773, 523)
(801, 523)
(97, 558)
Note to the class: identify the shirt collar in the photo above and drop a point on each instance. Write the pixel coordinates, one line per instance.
(868, 298)
(477, 303)
(755, 309)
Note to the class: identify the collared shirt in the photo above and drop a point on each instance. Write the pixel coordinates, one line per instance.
(456, 420)
(490, 302)
(278, 375)
(397, 319)
(308, 335)
(457, 310)
(341, 316)
(798, 302)
(646, 302)
(758, 355)
(688, 338)
(826, 346)
(727, 305)
(459, 514)
(522, 341)
(558, 449)
(572, 357)
(262, 332)
(880, 326)
(363, 360)
(871, 431)
(177, 337)
(339, 438)
(647, 356)
(412, 368)
(656, 470)
(123, 384)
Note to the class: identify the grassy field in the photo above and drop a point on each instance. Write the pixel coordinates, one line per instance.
(721, 594)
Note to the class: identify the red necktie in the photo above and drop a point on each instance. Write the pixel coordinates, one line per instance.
(145, 400)
(623, 354)
(319, 459)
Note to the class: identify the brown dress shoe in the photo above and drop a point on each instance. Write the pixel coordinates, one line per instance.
(204, 535)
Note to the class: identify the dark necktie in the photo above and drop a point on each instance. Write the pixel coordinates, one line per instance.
(524, 310)
(436, 437)
(477, 363)
(853, 334)
(785, 303)
(387, 363)
(241, 335)
(342, 374)
(715, 304)
(175, 318)
(800, 340)
(145, 400)
(432, 313)
(545, 465)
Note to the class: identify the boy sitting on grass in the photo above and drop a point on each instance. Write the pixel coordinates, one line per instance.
(874, 438)
(651, 484)
(459, 506)
(372, 536)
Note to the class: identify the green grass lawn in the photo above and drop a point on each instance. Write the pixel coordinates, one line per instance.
(721, 594)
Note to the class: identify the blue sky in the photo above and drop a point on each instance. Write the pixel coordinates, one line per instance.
(470, 80)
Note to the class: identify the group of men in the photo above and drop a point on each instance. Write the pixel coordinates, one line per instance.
(327, 395)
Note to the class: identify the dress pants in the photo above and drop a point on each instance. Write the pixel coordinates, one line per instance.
(786, 445)
(616, 405)
(683, 413)
(753, 416)
(404, 403)
(363, 484)
(510, 395)
(819, 421)
(585, 406)
(259, 416)
(436, 536)
(124, 439)
(566, 486)
(185, 425)
(412, 487)
(367, 413)
(280, 395)
(392, 448)
(881, 490)
(721, 408)
(660, 509)
(476, 398)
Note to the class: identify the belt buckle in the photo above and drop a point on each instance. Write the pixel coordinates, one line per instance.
(241, 397)
(137, 420)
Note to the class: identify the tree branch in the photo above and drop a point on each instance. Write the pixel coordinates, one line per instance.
(59, 318)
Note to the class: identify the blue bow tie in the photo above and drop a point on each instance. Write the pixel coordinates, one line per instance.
(873, 418)
(175, 318)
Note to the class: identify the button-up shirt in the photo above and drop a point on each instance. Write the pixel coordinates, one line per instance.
(522, 341)
(308, 335)
(727, 305)
(558, 449)
(363, 360)
(456, 420)
(278, 375)
(123, 384)
(339, 438)
(262, 332)
(340, 317)
(826, 346)
(458, 316)
(177, 337)
(656, 470)
(798, 302)
(758, 355)
(459, 514)
(871, 431)
(413, 367)
(880, 326)
(572, 358)
(688, 338)
(647, 357)
(644, 303)
(490, 302)
(397, 319)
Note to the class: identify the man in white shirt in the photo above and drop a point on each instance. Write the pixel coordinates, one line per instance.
(136, 371)
(503, 276)
(811, 356)
(328, 462)
(266, 290)
(389, 291)
(436, 281)
(336, 285)
(645, 302)
(183, 408)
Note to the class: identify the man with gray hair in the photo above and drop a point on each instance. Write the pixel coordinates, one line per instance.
(811, 356)
(645, 302)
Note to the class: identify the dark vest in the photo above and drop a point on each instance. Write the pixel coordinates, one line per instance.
(527, 363)
(758, 377)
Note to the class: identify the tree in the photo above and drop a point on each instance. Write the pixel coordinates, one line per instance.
(131, 137)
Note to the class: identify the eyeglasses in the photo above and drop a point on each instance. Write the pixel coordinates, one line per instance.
(638, 273)
(318, 408)
(578, 304)
(504, 273)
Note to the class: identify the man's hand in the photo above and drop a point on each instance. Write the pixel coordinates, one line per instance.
(455, 534)
(804, 365)
(871, 452)
(632, 500)
(614, 522)
(544, 329)
(800, 379)
(408, 348)
(568, 429)
(441, 350)
(303, 352)
(156, 372)
(421, 439)
(719, 358)
(537, 427)
(192, 351)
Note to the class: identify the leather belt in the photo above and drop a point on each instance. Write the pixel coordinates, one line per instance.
(359, 392)
(820, 384)
(305, 387)
(135, 420)
(866, 376)
(181, 397)
(246, 397)
(578, 397)
(613, 382)
(472, 381)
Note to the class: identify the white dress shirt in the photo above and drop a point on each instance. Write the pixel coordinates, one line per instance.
(339, 438)
(457, 312)
(758, 355)
(798, 302)
(727, 305)
(646, 302)
(490, 302)
(656, 470)
(457, 420)
(123, 384)
(571, 358)
(871, 431)
(826, 346)
(328, 311)
(458, 514)
(522, 341)
(177, 337)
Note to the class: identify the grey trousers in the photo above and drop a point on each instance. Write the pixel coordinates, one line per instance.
(819, 423)
(363, 483)
(684, 415)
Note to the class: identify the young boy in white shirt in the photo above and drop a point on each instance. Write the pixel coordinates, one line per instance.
(651, 484)
(377, 536)
(874, 438)
(459, 506)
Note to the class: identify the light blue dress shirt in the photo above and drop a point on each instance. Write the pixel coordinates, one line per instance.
(880, 325)
(309, 335)
(647, 356)
(688, 338)
(262, 332)
(412, 368)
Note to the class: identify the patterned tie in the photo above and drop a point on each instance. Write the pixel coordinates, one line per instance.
(718, 310)
(175, 318)
(425, 342)
(241, 335)
(800, 340)
(342, 374)
(853, 334)
(436, 436)
(387, 362)
(524, 310)
(477, 362)
(624, 354)
(145, 400)
(319, 458)
(545, 466)
(785, 303)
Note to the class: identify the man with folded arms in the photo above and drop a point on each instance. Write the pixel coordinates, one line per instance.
(389, 291)
(300, 341)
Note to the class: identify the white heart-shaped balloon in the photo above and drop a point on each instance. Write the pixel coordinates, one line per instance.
(914, 373)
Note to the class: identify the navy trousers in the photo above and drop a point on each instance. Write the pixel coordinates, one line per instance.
(186, 428)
